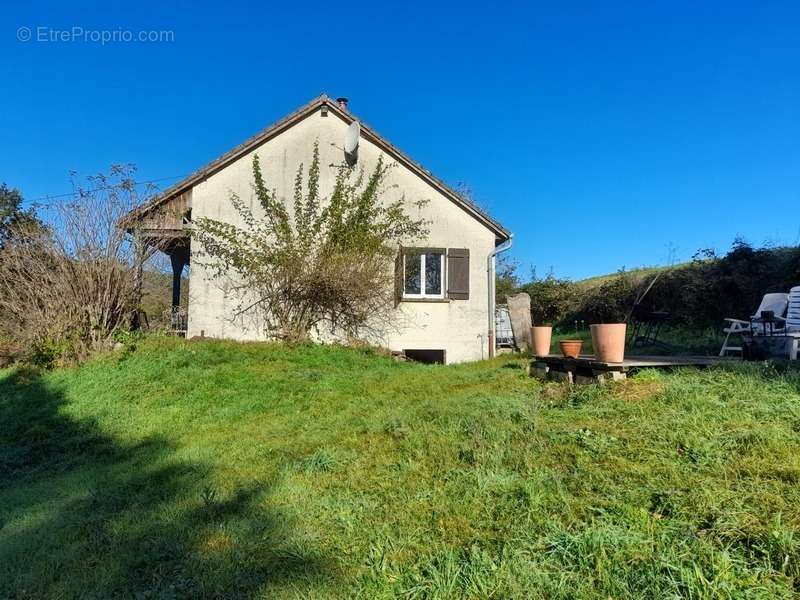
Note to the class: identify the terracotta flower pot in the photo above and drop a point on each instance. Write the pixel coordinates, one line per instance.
(540, 339)
(609, 342)
(571, 348)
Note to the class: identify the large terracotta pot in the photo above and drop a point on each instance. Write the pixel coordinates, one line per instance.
(540, 339)
(571, 348)
(609, 342)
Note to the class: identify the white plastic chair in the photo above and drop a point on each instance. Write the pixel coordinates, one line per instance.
(792, 328)
(777, 303)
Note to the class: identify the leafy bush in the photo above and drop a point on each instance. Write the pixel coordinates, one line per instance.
(506, 279)
(551, 298)
(710, 288)
(703, 292)
(610, 302)
(698, 295)
(13, 218)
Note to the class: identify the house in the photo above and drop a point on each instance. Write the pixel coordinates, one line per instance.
(449, 319)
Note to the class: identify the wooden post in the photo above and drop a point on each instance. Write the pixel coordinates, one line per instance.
(179, 258)
(138, 277)
(177, 270)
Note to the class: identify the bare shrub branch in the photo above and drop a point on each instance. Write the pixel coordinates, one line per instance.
(68, 287)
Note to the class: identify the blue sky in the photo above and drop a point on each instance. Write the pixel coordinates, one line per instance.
(602, 134)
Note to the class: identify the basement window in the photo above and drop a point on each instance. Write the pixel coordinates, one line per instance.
(434, 357)
(423, 273)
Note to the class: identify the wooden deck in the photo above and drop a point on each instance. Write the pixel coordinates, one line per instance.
(587, 369)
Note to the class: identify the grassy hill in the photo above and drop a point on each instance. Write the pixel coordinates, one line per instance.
(638, 274)
(213, 469)
(781, 255)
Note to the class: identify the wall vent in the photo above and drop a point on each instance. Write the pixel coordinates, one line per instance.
(433, 357)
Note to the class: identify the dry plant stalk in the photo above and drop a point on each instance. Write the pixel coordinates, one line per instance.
(66, 288)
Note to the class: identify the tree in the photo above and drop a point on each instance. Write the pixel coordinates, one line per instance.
(327, 262)
(67, 289)
(506, 278)
(13, 218)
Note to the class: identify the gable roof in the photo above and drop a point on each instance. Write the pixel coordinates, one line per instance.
(295, 117)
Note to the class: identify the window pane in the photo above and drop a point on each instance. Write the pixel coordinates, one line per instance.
(413, 280)
(433, 274)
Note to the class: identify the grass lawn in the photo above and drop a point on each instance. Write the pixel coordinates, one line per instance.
(212, 469)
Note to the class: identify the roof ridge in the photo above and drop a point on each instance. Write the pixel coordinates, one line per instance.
(441, 183)
(289, 120)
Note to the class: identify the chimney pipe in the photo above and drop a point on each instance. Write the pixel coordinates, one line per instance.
(342, 102)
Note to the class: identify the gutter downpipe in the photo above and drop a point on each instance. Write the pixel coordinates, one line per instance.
(490, 270)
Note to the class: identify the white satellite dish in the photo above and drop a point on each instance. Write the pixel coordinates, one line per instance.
(351, 139)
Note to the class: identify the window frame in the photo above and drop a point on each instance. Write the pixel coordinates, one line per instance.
(421, 256)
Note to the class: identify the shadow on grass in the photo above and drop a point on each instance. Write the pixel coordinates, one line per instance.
(84, 515)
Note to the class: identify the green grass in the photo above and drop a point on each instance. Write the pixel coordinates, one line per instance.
(212, 469)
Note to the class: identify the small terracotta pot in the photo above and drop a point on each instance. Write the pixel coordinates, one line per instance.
(571, 348)
(540, 339)
(609, 342)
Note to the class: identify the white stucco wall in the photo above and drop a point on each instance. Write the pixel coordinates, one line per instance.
(458, 326)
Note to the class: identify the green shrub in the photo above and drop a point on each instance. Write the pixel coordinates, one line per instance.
(699, 294)
(551, 298)
(610, 302)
